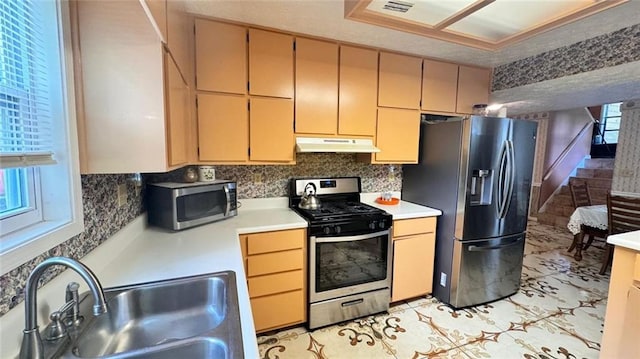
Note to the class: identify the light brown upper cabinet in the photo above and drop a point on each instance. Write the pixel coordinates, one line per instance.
(400, 81)
(221, 57)
(316, 87)
(473, 88)
(271, 130)
(453, 88)
(223, 127)
(177, 111)
(358, 91)
(137, 103)
(270, 64)
(397, 137)
(439, 86)
(158, 10)
(179, 31)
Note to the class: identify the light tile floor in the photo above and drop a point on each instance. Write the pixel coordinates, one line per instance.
(558, 313)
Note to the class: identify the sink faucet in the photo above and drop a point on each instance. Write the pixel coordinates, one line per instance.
(32, 347)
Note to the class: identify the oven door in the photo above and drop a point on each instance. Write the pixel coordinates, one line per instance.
(340, 266)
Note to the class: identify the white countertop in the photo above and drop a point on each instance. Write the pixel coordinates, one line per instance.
(139, 254)
(629, 240)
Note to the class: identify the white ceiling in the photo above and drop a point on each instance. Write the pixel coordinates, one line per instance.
(325, 18)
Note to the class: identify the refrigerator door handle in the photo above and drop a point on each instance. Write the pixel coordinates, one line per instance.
(511, 175)
(473, 248)
(502, 179)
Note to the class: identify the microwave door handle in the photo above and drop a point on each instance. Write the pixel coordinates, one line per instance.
(228, 197)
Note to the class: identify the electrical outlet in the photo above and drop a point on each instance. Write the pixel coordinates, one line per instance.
(391, 175)
(257, 177)
(443, 279)
(122, 194)
(627, 172)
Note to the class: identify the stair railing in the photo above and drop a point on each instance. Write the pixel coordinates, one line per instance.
(562, 167)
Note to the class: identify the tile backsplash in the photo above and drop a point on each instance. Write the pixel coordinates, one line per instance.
(103, 217)
(271, 181)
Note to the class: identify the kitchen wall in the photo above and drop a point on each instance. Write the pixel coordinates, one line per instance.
(103, 217)
(616, 48)
(271, 181)
(626, 171)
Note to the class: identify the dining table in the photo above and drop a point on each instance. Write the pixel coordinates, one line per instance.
(583, 218)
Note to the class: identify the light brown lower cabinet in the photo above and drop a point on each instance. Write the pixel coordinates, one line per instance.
(276, 271)
(413, 254)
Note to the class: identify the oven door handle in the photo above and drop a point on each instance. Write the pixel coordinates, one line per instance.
(349, 238)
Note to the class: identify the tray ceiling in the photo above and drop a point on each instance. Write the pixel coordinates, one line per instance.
(484, 24)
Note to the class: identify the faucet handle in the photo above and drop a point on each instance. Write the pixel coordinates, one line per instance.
(57, 329)
(73, 316)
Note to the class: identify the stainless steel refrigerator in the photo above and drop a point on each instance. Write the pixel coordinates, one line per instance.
(477, 170)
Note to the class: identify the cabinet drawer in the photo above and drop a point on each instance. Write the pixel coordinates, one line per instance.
(275, 262)
(405, 227)
(275, 283)
(275, 241)
(278, 310)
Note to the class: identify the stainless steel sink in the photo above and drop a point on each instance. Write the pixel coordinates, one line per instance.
(194, 317)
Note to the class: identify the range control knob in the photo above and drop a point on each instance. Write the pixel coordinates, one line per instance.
(338, 229)
(382, 224)
(373, 225)
(326, 229)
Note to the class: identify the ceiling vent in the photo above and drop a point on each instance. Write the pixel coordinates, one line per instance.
(399, 6)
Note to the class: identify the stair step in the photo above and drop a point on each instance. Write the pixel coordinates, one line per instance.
(553, 220)
(595, 182)
(594, 173)
(599, 163)
(598, 194)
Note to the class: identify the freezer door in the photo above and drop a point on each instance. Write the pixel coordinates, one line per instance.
(483, 178)
(486, 270)
(514, 216)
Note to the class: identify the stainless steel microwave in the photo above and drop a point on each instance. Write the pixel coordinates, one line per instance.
(177, 206)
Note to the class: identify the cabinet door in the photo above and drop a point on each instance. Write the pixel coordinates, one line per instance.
(398, 135)
(400, 81)
(278, 310)
(271, 130)
(316, 86)
(223, 128)
(358, 91)
(158, 9)
(439, 86)
(629, 343)
(179, 29)
(412, 266)
(221, 57)
(177, 112)
(473, 88)
(270, 64)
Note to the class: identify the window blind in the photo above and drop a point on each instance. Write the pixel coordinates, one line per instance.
(25, 111)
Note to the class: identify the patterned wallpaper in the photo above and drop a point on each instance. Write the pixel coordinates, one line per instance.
(616, 48)
(103, 217)
(626, 171)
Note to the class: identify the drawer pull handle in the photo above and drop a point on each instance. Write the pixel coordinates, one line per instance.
(352, 302)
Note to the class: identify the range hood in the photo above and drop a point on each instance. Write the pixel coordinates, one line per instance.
(349, 145)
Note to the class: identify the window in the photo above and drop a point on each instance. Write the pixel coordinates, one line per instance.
(610, 123)
(40, 196)
(25, 114)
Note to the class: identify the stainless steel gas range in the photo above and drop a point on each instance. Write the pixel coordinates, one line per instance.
(349, 251)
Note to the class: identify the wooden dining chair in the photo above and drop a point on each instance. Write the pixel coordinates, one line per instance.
(624, 216)
(580, 196)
